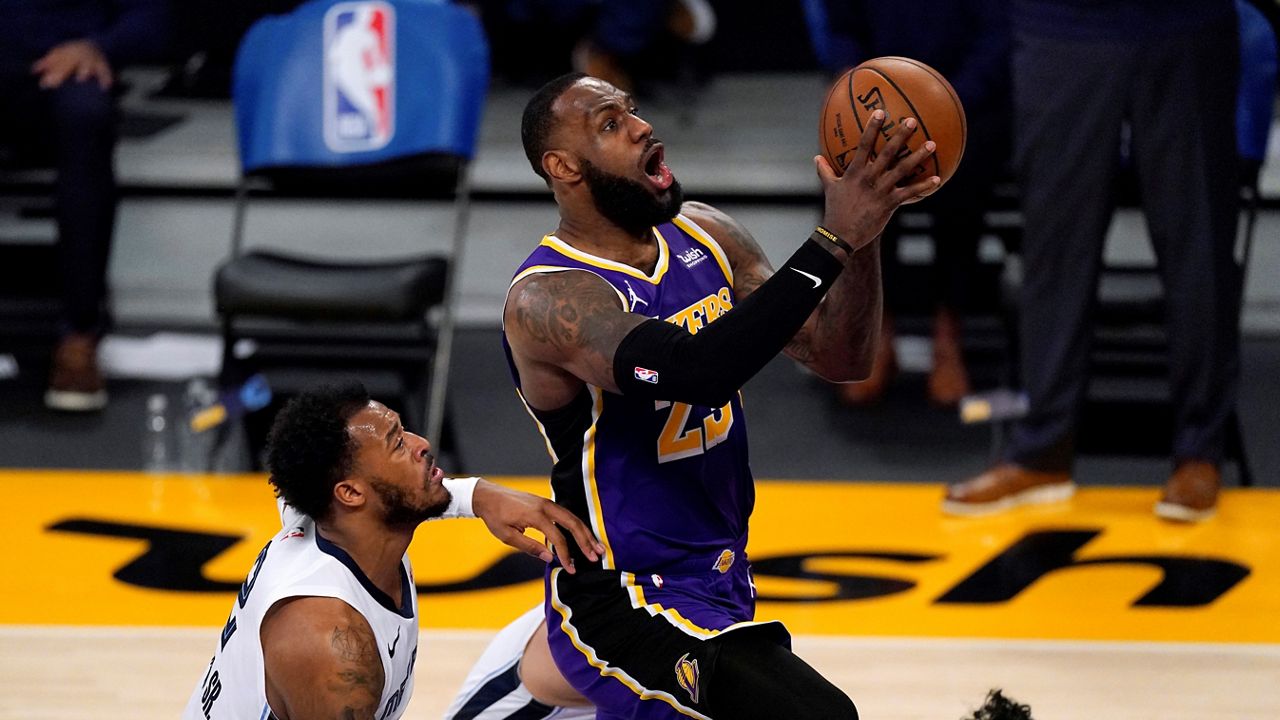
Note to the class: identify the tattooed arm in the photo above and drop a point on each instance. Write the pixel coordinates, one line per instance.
(838, 341)
(321, 661)
(564, 328)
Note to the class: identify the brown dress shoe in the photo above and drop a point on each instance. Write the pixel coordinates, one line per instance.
(884, 367)
(1191, 495)
(948, 380)
(75, 385)
(1005, 487)
(692, 21)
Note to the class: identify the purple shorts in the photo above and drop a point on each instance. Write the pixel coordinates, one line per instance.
(644, 646)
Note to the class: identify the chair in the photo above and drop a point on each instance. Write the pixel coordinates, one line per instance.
(376, 100)
(1129, 355)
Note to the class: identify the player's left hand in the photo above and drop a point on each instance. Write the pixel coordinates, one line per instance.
(508, 513)
(81, 58)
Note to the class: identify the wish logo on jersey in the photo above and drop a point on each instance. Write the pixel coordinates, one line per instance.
(359, 76)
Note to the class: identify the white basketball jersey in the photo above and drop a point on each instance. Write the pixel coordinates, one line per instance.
(297, 563)
(493, 690)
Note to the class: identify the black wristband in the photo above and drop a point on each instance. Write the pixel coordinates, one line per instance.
(820, 233)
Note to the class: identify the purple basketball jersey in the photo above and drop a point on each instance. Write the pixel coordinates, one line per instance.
(666, 486)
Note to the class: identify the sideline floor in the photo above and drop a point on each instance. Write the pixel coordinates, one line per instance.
(116, 583)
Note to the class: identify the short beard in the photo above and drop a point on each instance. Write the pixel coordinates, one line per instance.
(629, 204)
(398, 512)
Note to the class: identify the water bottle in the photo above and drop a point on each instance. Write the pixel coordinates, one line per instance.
(156, 457)
(196, 435)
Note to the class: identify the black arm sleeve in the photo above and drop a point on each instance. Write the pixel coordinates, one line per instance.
(663, 361)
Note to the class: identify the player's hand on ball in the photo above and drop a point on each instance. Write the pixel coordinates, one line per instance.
(860, 203)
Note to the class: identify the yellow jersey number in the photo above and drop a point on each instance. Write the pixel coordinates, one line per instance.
(678, 441)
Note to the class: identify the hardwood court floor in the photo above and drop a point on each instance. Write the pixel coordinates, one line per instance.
(115, 585)
(71, 673)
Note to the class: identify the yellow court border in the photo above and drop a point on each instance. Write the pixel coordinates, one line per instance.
(808, 539)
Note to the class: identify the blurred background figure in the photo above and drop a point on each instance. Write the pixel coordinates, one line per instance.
(206, 34)
(58, 65)
(968, 42)
(1084, 82)
(626, 42)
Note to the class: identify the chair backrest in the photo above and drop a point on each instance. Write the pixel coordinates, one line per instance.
(1257, 96)
(345, 84)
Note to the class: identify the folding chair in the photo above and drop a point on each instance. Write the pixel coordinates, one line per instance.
(373, 99)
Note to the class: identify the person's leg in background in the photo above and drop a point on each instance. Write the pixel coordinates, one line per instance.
(1068, 110)
(1186, 169)
(83, 123)
(624, 29)
(957, 211)
(884, 366)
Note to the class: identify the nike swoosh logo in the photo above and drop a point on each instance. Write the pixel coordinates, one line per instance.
(817, 281)
(392, 650)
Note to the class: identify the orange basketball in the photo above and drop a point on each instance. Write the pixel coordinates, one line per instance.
(903, 88)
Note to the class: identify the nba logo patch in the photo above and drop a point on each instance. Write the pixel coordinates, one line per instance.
(359, 76)
(647, 375)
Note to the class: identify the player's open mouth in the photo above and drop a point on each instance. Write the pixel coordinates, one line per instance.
(656, 169)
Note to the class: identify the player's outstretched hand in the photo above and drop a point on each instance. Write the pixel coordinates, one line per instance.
(508, 513)
(860, 203)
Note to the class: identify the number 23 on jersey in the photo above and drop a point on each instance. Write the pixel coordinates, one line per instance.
(678, 441)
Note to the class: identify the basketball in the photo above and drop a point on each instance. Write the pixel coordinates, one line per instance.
(903, 88)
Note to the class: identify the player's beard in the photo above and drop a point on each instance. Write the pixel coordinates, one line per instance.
(399, 512)
(629, 204)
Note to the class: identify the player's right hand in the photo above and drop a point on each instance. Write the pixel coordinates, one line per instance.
(508, 513)
(860, 203)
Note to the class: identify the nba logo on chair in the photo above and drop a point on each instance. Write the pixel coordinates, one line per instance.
(359, 76)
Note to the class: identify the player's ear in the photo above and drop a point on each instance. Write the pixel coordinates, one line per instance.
(561, 165)
(349, 494)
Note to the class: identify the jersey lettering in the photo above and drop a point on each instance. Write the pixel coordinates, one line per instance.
(699, 314)
(393, 702)
(247, 587)
(209, 695)
(243, 596)
(229, 629)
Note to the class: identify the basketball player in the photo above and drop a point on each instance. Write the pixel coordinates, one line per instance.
(515, 679)
(326, 624)
(629, 333)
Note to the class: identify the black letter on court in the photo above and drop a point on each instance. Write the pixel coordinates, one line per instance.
(1187, 581)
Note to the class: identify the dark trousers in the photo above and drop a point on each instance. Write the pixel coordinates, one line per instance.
(74, 126)
(1178, 94)
(956, 213)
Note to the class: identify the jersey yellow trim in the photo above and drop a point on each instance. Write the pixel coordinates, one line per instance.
(594, 507)
(541, 431)
(702, 236)
(588, 652)
(547, 269)
(660, 269)
(671, 615)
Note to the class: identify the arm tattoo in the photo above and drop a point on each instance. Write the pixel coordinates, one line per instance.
(360, 675)
(750, 265)
(567, 312)
(840, 333)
